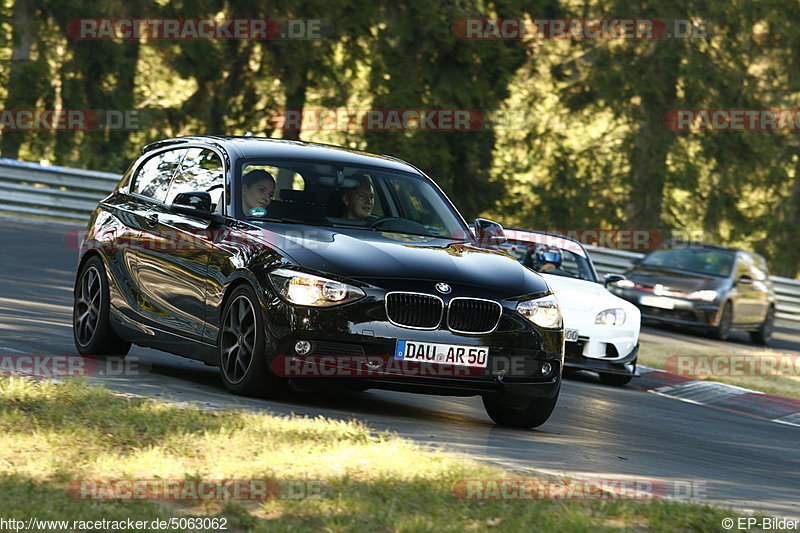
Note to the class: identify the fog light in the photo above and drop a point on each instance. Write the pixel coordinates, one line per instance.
(546, 368)
(302, 347)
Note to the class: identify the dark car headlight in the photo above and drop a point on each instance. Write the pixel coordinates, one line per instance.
(300, 288)
(704, 295)
(543, 312)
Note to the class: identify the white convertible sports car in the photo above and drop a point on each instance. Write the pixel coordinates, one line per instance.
(601, 330)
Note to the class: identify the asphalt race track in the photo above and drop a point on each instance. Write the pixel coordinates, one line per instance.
(595, 431)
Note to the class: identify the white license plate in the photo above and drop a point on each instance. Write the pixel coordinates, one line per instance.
(452, 354)
(657, 301)
(571, 335)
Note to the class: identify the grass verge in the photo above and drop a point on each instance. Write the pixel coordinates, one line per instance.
(54, 435)
(656, 355)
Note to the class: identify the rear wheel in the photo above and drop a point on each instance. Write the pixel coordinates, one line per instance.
(723, 329)
(764, 332)
(520, 412)
(91, 326)
(241, 347)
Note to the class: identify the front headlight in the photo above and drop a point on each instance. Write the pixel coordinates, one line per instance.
(543, 312)
(306, 289)
(610, 317)
(706, 296)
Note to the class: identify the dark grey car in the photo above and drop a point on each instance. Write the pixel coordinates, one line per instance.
(715, 288)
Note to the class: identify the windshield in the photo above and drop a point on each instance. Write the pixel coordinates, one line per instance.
(322, 194)
(696, 260)
(549, 258)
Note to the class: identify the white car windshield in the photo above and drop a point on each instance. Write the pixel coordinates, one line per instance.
(552, 260)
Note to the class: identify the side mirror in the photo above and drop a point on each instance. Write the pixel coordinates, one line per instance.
(608, 279)
(489, 233)
(745, 279)
(196, 204)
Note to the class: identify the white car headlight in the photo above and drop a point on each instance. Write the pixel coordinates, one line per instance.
(542, 311)
(707, 295)
(306, 289)
(610, 317)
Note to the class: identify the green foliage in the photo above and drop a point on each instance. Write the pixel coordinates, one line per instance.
(575, 136)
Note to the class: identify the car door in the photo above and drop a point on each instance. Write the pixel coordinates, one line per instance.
(745, 300)
(173, 265)
(761, 287)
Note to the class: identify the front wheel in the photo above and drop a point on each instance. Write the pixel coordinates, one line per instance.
(520, 412)
(241, 347)
(723, 329)
(764, 332)
(91, 325)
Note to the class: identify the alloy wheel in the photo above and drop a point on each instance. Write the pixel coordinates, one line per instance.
(89, 301)
(238, 339)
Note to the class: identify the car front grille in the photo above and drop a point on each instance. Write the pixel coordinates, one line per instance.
(425, 311)
(412, 310)
(472, 315)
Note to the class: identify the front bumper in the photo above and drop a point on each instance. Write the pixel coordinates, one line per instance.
(625, 365)
(692, 313)
(358, 343)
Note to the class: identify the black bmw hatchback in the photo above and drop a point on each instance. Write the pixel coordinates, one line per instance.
(287, 264)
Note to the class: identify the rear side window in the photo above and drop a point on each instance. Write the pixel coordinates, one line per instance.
(200, 170)
(154, 176)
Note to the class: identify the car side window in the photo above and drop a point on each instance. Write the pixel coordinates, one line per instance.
(154, 175)
(200, 170)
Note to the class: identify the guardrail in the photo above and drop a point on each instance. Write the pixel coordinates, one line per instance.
(62, 192)
(71, 193)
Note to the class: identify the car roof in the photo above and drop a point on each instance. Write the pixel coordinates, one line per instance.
(249, 146)
(678, 244)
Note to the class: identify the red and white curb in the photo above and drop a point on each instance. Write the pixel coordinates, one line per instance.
(719, 395)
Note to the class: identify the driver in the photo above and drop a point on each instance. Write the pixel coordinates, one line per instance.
(547, 259)
(258, 186)
(359, 202)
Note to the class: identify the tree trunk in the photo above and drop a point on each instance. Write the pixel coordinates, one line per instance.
(652, 140)
(21, 80)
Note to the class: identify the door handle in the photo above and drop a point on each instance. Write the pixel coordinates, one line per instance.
(152, 219)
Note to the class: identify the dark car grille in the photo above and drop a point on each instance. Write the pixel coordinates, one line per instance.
(471, 315)
(414, 310)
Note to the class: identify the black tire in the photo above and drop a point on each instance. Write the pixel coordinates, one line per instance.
(91, 326)
(764, 332)
(617, 380)
(520, 412)
(723, 329)
(241, 347)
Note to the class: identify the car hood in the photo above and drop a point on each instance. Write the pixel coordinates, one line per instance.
(367, 255)
(674, 280)
(577, 294)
